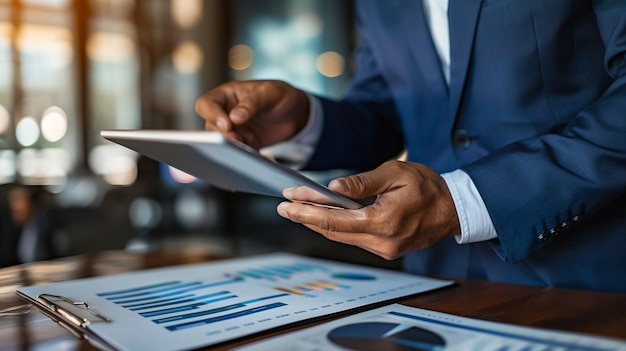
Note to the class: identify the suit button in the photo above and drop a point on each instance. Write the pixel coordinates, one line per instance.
(553, 232)
(461, 139)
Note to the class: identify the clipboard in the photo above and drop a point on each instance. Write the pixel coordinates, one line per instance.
(73, 316)
(200, 305)
(222, 162)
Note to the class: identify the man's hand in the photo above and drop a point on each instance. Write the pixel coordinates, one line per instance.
(257, 113)
(413, 210)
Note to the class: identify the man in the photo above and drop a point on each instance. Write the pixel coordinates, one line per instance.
(514, 123)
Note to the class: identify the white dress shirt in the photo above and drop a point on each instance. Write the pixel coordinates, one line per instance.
(476, 224)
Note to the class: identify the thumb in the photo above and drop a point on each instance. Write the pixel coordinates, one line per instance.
(362, 185)
(244, 110)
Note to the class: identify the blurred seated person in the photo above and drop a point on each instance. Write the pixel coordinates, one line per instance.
(29, 230)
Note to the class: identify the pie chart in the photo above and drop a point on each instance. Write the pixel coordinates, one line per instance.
(376, 336)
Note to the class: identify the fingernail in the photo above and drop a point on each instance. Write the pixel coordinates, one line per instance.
(340, 184)
(288, 192)
(221, 124)
(281, 209)
(238, 112)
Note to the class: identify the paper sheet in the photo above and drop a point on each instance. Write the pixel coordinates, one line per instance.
(402, 328)
(192, 306)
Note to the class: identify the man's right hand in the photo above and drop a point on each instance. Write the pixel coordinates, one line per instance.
(257, 113)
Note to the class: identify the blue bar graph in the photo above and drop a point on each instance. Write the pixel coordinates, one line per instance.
(225, 317)
(146, 306)
(132, 306)
(149, 296)
(131, 290)
(278, 272)
(185, 302)
(215, 310)
(192, 306)
(157, 291)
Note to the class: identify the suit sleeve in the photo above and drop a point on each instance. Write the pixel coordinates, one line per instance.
(544, 187)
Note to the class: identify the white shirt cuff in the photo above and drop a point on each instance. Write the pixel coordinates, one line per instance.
(476, 224)
(297, 151)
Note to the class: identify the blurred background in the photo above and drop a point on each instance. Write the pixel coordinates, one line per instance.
(70, 68)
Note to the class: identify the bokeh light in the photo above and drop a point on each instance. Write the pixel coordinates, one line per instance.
(54, 124)
(110, 47)
(145, 213)
(48, 166)
(7, 166)
(190, 209)
(186, 13)
(120, 170)
(188, 57)
(27, 131)
(27, 162)
(330, 64)
(273, 40)
(240, 57)
(116, 164)
(307, 25)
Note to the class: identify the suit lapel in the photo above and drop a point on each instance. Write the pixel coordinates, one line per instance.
(423, 48)
(463, 16)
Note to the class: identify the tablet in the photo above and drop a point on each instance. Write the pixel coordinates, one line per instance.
(222, 162)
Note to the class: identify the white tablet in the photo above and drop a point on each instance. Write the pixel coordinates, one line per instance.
(222, 162)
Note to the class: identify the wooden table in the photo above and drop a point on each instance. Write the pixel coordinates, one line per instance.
(597, 313)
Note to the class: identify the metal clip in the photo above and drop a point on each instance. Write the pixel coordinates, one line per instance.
(77, 313)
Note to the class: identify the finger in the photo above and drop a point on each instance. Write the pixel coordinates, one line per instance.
(357, 186)
(231, 103)
(328, 219)
(341, 226)
(367, 184)
(254, 98)
(306, 194)
(246, 107)
(212, 107)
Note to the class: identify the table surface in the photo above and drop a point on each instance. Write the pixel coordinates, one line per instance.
(596, 313)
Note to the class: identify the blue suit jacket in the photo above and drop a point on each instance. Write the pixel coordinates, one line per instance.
(539, 87)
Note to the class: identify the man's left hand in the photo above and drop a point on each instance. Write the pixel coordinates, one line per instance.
(413, 209)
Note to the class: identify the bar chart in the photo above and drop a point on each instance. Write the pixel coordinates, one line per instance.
(180, 305)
